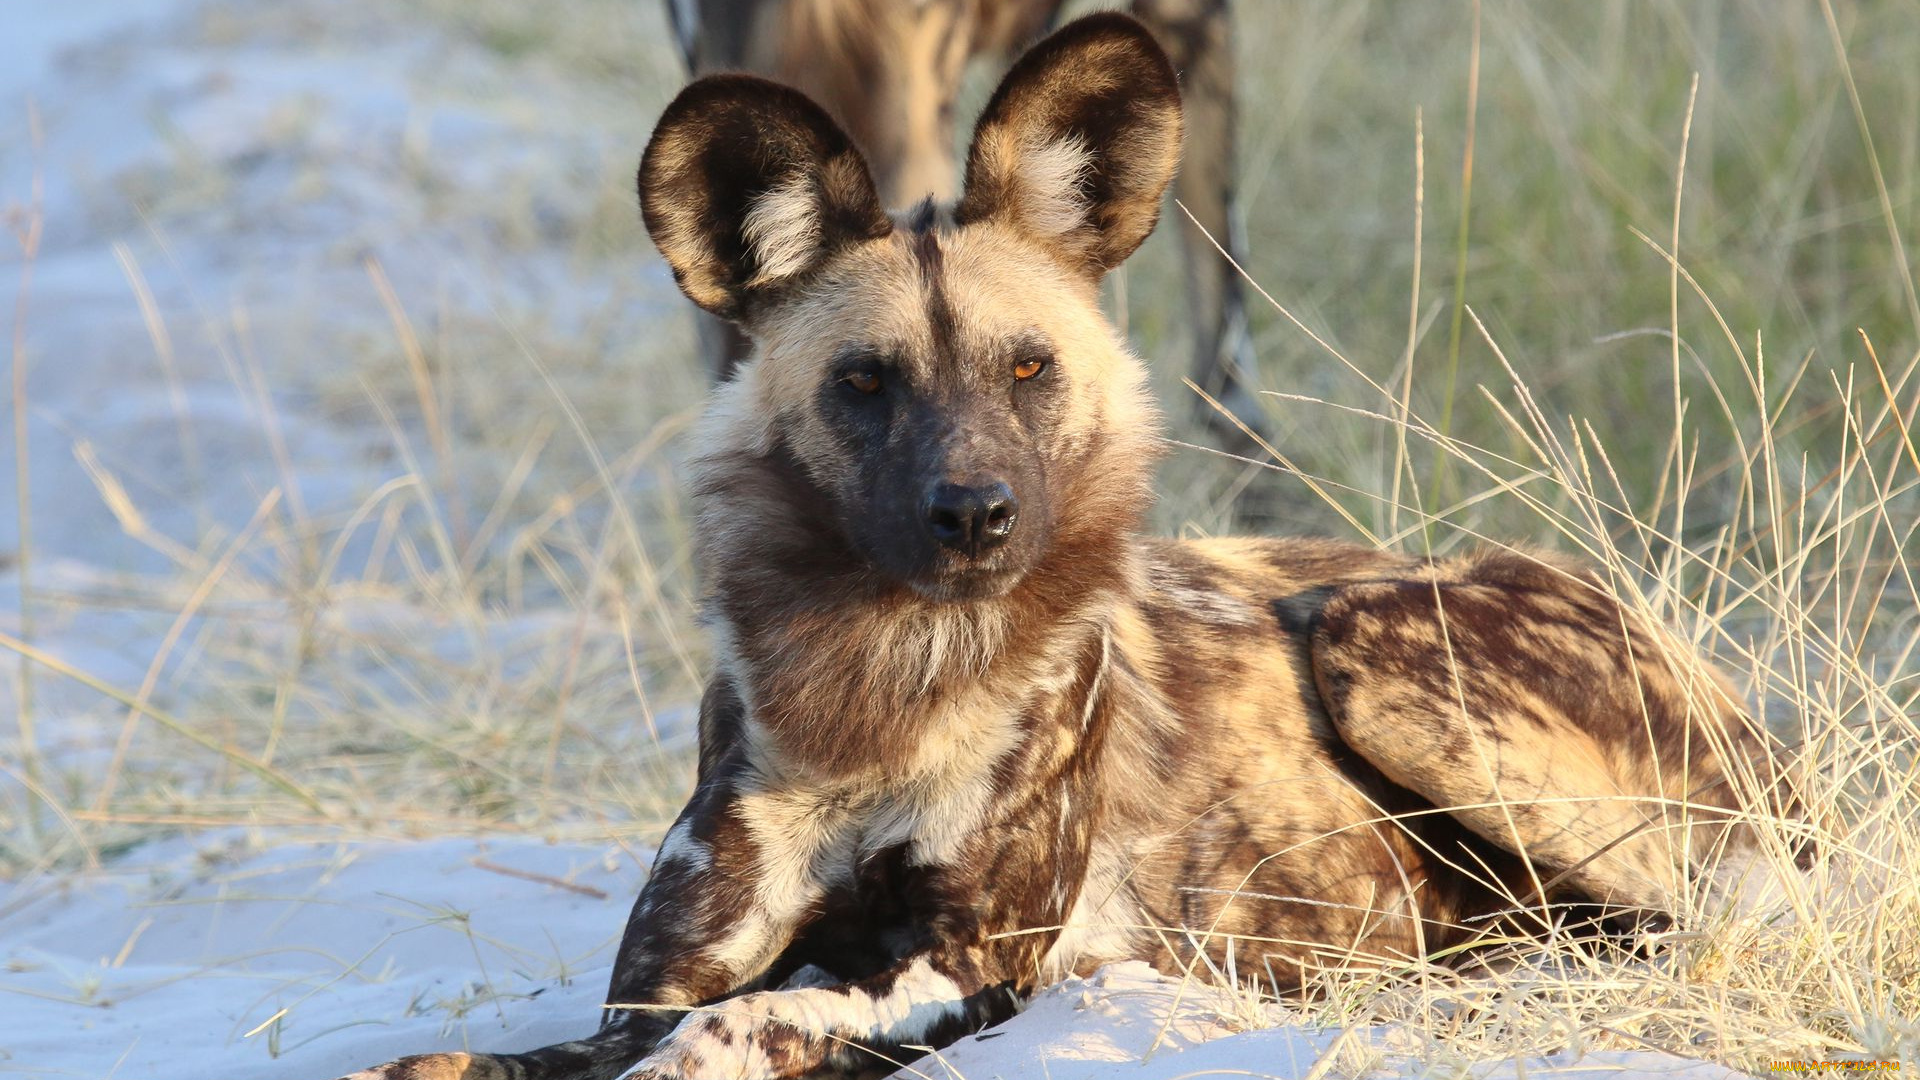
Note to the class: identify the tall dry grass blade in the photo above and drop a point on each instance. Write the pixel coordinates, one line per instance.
(27, 234)
(1898, 244)
(244, 370)
(1673, 289)
(1899, 417)
(127, 514)
(1286, 464)
(649, 579)
(162, 340)
(424, 393)
(1460, 254)
(1401, 464)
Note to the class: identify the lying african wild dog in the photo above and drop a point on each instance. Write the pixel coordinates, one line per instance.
(971, 731)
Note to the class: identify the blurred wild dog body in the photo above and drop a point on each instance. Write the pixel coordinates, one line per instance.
(970, 730)
(890, 71)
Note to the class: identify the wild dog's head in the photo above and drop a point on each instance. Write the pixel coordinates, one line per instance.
(936, 399)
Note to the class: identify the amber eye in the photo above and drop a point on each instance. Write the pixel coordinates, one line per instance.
(1028, 368)
(866, 382)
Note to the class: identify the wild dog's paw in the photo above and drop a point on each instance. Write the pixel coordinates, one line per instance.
(735, 1040)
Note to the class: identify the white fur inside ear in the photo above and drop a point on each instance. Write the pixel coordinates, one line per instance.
(783, 229)
(1050, 176)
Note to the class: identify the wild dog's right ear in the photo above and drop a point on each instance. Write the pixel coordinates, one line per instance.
(747, 186)
(1078, 144)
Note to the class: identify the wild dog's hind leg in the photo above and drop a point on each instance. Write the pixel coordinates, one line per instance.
(1197, 35)
(1519, 697)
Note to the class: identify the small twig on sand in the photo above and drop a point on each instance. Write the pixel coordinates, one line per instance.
(544, 879)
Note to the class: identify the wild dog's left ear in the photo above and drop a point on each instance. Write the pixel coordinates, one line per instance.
(1078, 144)
(747, 186)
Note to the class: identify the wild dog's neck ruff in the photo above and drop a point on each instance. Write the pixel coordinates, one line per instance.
(843, 667)
(848, 672)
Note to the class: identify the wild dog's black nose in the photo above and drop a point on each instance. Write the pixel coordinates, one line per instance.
(971, 520)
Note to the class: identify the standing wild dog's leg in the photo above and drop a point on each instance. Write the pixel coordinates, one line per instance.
(723, 35)
(1196, 35)
(1527, 703)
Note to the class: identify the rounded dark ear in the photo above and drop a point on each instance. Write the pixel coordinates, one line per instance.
(747, 185)
(1078, 144)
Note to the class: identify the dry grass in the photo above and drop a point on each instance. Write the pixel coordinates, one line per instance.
(1702, 379)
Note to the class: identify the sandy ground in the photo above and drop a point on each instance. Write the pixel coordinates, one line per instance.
(233, 171)
(243, 957)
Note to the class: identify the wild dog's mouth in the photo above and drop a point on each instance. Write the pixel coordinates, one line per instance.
(960, 584)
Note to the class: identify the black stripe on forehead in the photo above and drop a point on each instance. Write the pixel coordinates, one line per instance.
(923, 216)
(922, 225)
(924, 238)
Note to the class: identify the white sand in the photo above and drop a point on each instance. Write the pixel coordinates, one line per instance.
(178, 967)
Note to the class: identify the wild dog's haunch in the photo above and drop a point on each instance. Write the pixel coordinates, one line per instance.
(969, 730)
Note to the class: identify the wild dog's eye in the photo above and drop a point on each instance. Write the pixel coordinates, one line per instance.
(1027, 367)
(866, 381)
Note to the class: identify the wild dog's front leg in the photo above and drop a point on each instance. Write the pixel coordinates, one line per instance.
(986, 918)
(1198, 37)
(699, 932)
(929, 999)
(710, 920)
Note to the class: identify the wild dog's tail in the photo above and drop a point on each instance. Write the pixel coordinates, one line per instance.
(603, 1056)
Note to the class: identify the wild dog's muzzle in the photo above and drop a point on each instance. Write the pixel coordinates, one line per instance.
(971, 519)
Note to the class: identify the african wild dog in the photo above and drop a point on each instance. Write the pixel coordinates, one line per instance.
(970, 730)
(891, 71)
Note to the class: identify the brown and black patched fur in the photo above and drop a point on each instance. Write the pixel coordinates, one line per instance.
(971, 730)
